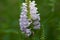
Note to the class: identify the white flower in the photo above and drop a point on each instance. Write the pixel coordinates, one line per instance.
(37, 26)
(28, 32)
(36, 22)
(35, 17)
(24, 21)
(33, 11)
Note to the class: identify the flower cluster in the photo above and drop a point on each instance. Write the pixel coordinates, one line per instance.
(34, 15)
(25, 22)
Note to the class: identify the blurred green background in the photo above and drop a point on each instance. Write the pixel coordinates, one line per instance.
(50, 20)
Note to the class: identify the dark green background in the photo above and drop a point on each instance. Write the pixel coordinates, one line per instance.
(50, 20)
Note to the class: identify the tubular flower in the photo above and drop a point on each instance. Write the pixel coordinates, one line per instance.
(25, 23)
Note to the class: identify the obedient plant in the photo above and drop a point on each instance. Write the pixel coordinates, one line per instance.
(29, 16)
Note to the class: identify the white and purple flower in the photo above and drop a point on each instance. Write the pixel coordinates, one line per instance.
(25, 22)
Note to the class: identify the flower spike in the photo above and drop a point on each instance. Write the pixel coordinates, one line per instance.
(29, 15)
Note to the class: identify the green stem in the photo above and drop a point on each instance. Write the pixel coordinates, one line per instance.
(28, 8)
